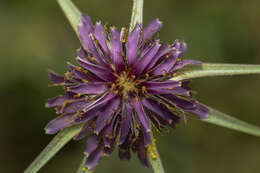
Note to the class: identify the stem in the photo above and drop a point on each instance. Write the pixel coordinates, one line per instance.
(224, 120)
(53, 147)
(82, 168)
(154, 157)
(137, 13)
(212, 69)
(71, 12)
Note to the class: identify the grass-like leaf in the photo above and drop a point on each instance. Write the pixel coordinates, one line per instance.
(71, 12)
(137, 13)
(53, 147)
(154, 157)
(224, 120)
(212, 69)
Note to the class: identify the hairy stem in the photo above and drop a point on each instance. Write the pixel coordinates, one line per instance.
(214, 69)
(53, 147)
(71, 12)
(137, 13)
(154, 157)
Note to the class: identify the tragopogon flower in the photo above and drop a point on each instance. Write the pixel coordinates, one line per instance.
(121, 86)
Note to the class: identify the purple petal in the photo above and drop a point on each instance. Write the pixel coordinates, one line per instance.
(94, 158)
(97, 70)
(133, 40)
(56, 101)
(182, 103)
(85, 25)
(125, 123)
(147, 138)
(85, 130)
(124, 149)
(200, 110)
(147, 58)
(161, 85)
(154, 26)
(72, 106)
(142, 152)
(100, 102)
(164, 49)
(83, 74)
(55, 78)
(100, 35)
(180, 64)
(142, 116)
(91, 145)
(58, 124)
(116, 49)
(88, 88)
(105, 114)
(160, 110)
(85, 32)
(166, 65)
(174, 90)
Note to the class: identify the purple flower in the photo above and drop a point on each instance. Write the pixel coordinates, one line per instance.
(121, 86)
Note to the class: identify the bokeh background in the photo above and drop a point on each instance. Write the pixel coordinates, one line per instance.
(35, 36)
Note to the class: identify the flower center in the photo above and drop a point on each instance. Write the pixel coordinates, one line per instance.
(125, 85)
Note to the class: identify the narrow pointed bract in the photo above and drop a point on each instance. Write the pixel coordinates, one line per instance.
(121, 88)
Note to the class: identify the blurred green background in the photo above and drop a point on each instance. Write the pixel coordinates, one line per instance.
(35, 36)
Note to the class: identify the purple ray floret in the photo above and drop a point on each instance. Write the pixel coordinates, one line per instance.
(121, 88)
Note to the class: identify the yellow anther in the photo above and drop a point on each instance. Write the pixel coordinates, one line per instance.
(143, 89)
(164, 74)
(149, 148)
(167, 56)
(92, 58)
(150, 44)
(133, 76)
(78, 68)
(102, 33)
(153, 156)
(84, 80)
(84, 169)
(178, 59)
(113, 85)
(147, 75)
(174, 74)
(136, 99)
(68, 88)
(170, 88)
(116, 91)
(78, 95)
(123, 40)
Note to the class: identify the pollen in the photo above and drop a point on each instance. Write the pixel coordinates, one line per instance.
(84, 80)
(102, 33)
(153, 156)
(174, 74)
(149, 149)
(84, 169)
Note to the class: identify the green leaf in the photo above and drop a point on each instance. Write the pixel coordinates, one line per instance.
(154, 157)
(224, 120)
(82, 168)
(211, 69)
(137, 13)
(53, 147)
(71, 12)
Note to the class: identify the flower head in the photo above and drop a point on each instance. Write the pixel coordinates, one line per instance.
(120, 88)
